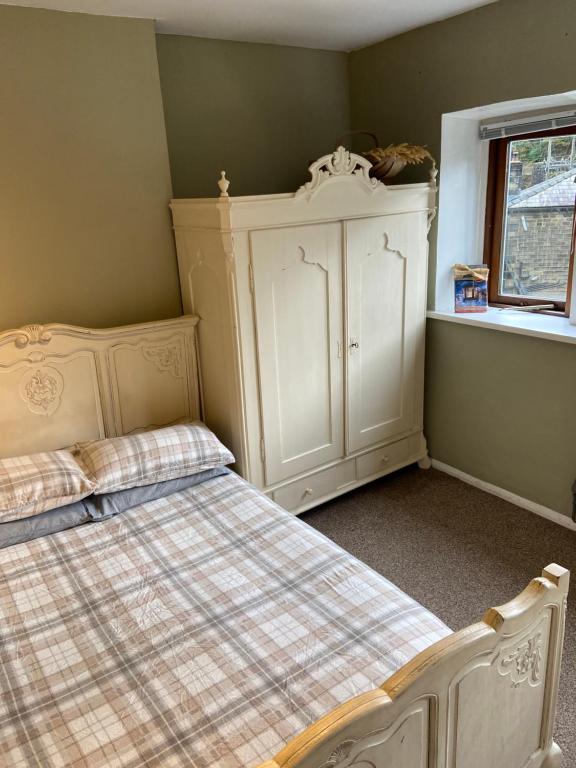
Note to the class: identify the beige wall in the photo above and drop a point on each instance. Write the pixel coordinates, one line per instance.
(261, 112)
(498, 406)
(84, 227)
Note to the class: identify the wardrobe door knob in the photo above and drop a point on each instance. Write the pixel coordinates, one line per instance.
(308, 491)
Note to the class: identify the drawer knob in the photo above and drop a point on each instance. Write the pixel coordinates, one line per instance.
(385, 459)
(308, 491)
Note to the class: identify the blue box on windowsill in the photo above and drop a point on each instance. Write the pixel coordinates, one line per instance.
(470, 288)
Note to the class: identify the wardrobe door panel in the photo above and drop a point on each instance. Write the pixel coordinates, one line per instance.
(298, 305)
(386, 276)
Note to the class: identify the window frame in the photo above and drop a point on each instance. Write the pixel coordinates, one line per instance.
(494, 222)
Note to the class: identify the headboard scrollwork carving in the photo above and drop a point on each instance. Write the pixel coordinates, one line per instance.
(85, 384)
(32, 334)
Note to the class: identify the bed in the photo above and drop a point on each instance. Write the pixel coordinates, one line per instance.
(209, 627)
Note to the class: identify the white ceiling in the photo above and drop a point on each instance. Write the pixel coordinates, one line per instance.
(340, 25)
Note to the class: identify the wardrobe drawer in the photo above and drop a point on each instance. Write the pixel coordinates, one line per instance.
(315, 486)
(390, 456)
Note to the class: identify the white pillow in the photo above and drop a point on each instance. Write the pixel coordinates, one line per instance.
(39, 482)
(151, 457)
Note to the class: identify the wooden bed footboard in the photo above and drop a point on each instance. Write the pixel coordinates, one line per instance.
(483, 697)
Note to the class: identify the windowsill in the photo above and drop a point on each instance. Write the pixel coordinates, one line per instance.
(514, 321)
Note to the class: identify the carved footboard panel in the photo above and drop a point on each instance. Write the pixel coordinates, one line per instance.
(482, 698)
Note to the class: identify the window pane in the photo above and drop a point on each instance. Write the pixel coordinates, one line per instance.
(537, 232)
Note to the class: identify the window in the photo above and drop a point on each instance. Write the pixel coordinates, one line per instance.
(530, 222)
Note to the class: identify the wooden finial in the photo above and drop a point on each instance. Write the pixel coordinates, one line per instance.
(223, 184)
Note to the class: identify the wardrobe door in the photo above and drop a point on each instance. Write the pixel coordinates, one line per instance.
(297, 273)
(386, 296)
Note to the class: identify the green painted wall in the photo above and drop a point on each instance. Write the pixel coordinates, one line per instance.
(507, 50)
(501, 407)
(84, 225)
(85, 235)
(261, 112)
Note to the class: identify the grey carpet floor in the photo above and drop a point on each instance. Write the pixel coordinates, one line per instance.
(458, 551)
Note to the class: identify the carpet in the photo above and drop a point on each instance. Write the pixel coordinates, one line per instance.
(458, 551)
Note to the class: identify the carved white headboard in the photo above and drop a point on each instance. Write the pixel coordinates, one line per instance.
(60, 384)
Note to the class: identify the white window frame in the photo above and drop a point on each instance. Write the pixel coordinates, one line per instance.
(462, 208)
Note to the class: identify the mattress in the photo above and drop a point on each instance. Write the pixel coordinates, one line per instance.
(206, 628)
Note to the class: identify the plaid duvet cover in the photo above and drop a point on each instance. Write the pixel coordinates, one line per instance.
(207, 628)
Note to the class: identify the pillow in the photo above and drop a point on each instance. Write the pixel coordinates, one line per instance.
(46, 523)
(96, 508)
(39, 482)
(109, 504)
(151, 457)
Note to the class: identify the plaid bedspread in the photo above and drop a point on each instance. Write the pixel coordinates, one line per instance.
(207, 628)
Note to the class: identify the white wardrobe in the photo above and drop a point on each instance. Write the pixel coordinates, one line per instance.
(311, 336)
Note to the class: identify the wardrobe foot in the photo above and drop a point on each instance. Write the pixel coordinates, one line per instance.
(425, 462)
(554, 757)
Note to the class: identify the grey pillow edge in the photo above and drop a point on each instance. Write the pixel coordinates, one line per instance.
(44, 523)
(89, 509)
(105, 505)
